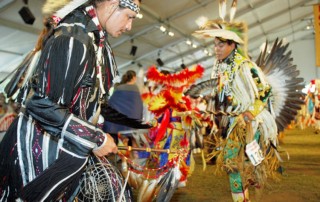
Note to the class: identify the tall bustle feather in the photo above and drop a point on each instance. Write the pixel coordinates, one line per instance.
(222, 9)
(285, 83)
(233, 10)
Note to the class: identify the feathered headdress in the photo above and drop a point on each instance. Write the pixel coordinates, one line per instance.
(230, 30)
(234, 31)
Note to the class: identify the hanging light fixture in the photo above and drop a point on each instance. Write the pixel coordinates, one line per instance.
(26, 14)
(134, 48)
(159, 61)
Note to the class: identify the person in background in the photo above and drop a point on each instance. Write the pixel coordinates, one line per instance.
(2, 104)
(45, 150)
(8, 112)
(126, 99)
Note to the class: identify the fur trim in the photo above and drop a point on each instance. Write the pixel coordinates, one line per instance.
(51, 6)
(61, 8)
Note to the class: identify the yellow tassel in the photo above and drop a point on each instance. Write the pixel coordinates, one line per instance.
(192, 164)
(204, 163)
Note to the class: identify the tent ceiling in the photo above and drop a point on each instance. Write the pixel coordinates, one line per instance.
(266, 20)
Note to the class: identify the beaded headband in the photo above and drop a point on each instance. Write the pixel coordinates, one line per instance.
(129, 4)
(62, 8)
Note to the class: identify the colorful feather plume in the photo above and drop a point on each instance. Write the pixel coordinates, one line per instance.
(168, 98)
(182, 79)
(171, 94)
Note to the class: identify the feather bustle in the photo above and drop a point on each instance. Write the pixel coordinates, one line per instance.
(282, 75)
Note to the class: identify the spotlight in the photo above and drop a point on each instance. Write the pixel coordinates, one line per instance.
(160, 62)
(171, 34)
(183, 66)
(163, 28)
(27, 15)
(139, 16)
(133, 50)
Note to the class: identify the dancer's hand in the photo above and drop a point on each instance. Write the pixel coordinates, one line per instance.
(244, 119)
(247, 117)
(106, 148)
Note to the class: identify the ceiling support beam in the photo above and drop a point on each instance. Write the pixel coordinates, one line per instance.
(157, 18)
(18, 26)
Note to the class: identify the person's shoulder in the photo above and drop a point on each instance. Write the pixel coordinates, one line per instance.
(244, 61)
(76, 25)
(127, 87)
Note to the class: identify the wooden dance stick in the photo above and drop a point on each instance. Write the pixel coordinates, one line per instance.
(129, 148)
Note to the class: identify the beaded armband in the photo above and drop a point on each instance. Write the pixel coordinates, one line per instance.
(80, 137)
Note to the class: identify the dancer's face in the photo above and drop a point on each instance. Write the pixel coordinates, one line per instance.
(222, 49)
(113, 19)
